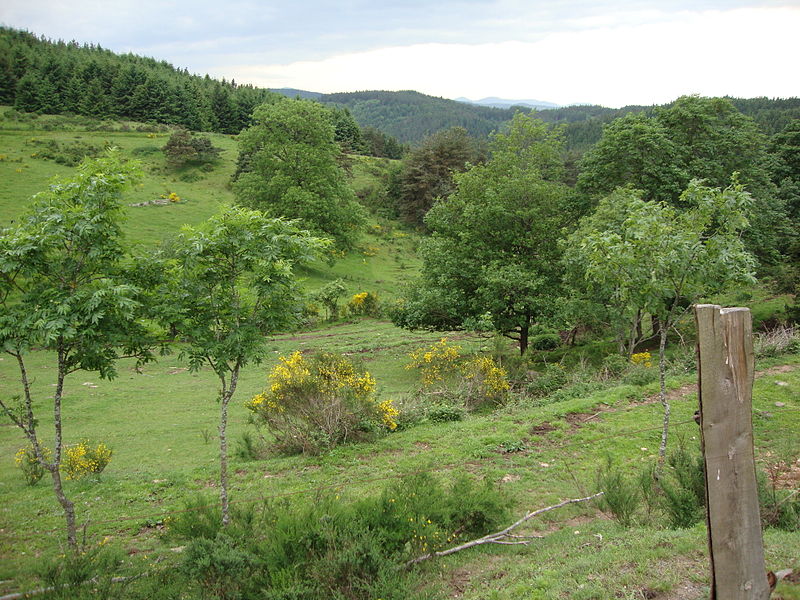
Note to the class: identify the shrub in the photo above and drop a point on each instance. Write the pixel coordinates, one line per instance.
(553, 378)
(247, 448)
(486, 382)
(81, 459)
(545, 341)
(328, 548)
(329, 295)
(613, 366)
(642, 359)
(183, 149)
(435, 363)
(315, 404)
(782, 340)
(32, 469)
(443, 413)
(364, 303)
(683, 485)
(621, 494)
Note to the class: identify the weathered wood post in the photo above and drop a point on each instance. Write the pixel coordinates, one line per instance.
(725, 370)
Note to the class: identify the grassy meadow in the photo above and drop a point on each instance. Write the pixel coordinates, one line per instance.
(161, 421)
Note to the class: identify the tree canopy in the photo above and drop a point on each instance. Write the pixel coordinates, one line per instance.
(288, 168)
(492, 253)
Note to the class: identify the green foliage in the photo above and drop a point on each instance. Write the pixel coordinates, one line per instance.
(329, 548)
(427, 172)
(553, 378)
(693, 138)
(491, 250)
(632, 256)
(443, 412)
(92, 81)
(365, 304)
(329, 296)
(63, 288)
(620, 494)
(545, 341)
(683, 488)
(183, 149)
(69, 573)
(288, 167)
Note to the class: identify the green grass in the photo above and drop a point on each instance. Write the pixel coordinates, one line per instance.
(156, 420)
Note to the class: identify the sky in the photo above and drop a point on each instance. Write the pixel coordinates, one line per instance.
(609, 52)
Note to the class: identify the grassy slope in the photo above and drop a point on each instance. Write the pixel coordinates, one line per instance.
(161, 424)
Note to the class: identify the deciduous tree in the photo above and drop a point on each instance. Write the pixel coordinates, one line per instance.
(288, 168)
(62, 290)
(639, 257)
(493, 251)
(228, 285)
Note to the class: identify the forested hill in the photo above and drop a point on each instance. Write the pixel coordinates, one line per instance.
(411, 116)
(39, 75)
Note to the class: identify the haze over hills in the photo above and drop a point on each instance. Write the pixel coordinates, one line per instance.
(504, 103)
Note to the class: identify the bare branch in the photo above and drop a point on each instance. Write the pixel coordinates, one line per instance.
(499, 537)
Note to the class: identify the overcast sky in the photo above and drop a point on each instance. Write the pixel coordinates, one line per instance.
(612, 52)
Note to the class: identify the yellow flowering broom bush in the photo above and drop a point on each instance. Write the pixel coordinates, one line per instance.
(82, 459)
(364, 303)
(468, 381)
(32, 469)
(312, 404)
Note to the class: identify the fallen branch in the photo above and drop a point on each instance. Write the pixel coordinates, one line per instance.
(500, 537)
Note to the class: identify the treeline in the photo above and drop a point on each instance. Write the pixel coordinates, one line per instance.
(39, 75)
(54, 77)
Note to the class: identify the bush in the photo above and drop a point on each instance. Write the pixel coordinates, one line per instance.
(486, 382)
(313, 405)
(183, 149)
(328, 548)
(613, 366)
(782, 340)
(365, 303)
(436, 363)
(683, 484)
(32, 469)
(81, 459)
(545, 341)
(553, 378)
(621, 494)
(444, 413)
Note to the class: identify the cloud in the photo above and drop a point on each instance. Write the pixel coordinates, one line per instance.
(745, 52)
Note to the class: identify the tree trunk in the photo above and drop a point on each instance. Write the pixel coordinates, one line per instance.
(639, 334)
(662, 380)
(523, 336)
(223, 443)
(54, 468)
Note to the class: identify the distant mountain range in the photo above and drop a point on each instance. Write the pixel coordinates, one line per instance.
(504, 103)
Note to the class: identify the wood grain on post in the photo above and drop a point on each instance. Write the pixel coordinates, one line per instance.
(726, 370)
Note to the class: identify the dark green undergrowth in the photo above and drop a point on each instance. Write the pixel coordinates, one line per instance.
(325, 547)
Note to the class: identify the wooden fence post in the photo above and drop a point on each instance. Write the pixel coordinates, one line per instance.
(725, 371)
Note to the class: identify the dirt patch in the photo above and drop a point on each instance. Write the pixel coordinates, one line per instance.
(777, 370)
(578, 420)
(542, 428)
(459, 580)
(423, 445)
